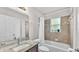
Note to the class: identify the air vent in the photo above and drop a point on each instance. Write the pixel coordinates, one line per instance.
(22, 8)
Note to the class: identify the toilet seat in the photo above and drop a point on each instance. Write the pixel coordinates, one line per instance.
(43, 48)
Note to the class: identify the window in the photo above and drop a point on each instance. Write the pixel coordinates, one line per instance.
(55, 24)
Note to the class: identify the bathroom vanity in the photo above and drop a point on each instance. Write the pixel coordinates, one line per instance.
(25, 46)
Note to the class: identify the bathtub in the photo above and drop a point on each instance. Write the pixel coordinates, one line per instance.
(55, 46)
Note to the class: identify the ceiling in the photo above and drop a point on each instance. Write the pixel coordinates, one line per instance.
(46, 10)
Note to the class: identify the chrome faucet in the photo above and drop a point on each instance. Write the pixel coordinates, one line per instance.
(18, 41)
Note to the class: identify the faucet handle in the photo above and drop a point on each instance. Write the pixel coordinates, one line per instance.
(14, 37)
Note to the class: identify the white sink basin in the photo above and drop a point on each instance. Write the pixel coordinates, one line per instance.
(11, 46)
(20, 47)
(7, 48)
(23, 42)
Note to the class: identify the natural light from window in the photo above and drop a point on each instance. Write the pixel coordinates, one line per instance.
(55, 24)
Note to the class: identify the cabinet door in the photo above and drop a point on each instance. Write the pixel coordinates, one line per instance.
(33, 49)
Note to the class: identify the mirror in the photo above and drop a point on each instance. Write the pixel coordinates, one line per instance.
(24, 29)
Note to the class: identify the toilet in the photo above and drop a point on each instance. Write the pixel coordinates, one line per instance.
(43, 49)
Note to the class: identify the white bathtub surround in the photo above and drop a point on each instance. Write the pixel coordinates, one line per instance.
(71, 50)
(55, 46)
(43, 49)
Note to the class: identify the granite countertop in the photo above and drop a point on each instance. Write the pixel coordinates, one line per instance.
(24, 46)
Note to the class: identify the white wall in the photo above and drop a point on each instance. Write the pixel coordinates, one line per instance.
(33, 22)
(75, 28)
(77, 31)
(10, 23)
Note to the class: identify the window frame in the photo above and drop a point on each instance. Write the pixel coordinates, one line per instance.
(51, 30)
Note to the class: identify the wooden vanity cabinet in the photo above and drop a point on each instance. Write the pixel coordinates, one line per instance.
(33, 49)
